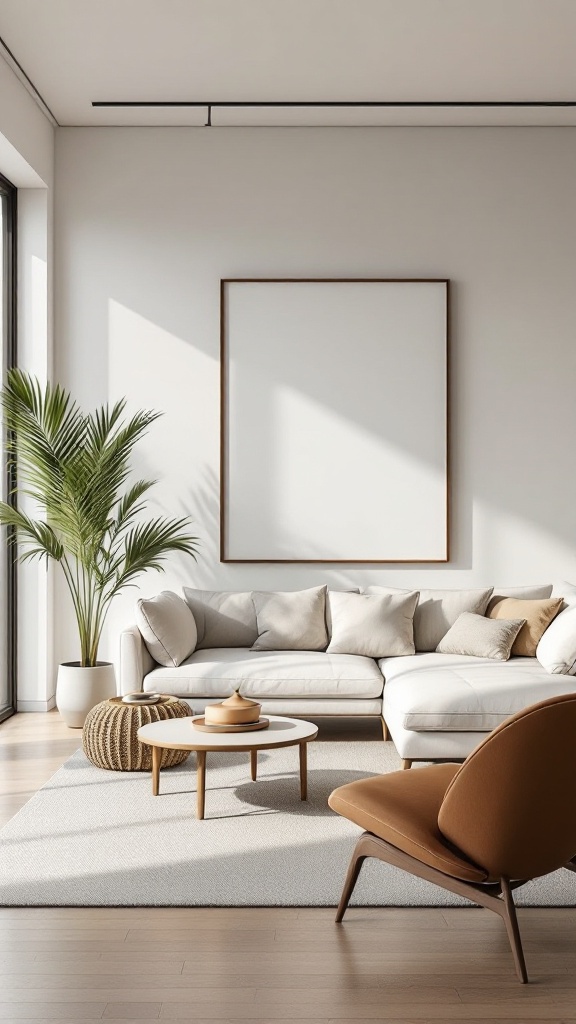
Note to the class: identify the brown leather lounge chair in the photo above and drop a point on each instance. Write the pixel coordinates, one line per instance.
(483, 828)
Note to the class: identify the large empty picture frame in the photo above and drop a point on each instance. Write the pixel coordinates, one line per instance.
(334, 421)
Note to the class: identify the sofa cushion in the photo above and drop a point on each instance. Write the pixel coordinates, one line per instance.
(291, 620)
(556, 651)
(437, 610)
(455, 693)
(224, 618)
(537, 615)
(167, 626)
(217, 673)
(477, 636)
(373, 625)
(535, 593)
(565, 590)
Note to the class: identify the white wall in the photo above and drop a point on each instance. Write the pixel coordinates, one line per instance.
(26, 135)
(27, 160)
(149, 220)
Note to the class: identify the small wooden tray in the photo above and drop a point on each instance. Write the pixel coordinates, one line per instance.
(199, 723)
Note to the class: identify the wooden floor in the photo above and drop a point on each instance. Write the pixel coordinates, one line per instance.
(263, 965)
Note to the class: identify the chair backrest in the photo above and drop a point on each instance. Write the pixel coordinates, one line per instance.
(511, 808)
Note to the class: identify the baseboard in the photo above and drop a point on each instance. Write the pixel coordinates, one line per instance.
(23, 706)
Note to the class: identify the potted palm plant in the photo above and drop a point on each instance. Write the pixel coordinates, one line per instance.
(72, 469)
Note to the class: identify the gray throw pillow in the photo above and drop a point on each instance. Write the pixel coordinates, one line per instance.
(475, 636)
(223, 618)
(375, 626)
(538, 592)
(291, 620)
(168, 628)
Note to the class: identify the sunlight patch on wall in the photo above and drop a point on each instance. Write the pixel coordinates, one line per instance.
(157, 370)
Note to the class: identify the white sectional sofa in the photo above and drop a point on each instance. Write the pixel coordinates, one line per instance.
(435, 706)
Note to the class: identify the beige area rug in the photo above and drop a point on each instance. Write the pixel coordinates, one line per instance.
(97, 838)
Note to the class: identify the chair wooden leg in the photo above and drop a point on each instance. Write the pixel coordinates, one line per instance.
(511, 922)
(385, 730)
(358, 857)
(496, 896)
(406, 764)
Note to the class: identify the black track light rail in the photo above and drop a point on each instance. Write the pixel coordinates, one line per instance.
(332, 104)
(335, 103)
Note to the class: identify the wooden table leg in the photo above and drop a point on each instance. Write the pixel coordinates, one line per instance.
(253, 764)
(200, 783)
(303, 771)
(156, 760)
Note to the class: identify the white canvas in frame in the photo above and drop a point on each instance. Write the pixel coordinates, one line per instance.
(334, 421)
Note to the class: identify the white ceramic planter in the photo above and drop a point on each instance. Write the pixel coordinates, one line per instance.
(78, 689)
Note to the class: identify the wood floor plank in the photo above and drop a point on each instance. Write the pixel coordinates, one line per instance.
(288, 965)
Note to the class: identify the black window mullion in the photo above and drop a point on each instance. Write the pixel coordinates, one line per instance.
(9, 198)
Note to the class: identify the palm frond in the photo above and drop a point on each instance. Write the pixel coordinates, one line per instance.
(147, 544)
(40, 535)
(75, 468)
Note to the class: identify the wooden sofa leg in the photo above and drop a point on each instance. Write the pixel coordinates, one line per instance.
(385, 730)
(406, 763)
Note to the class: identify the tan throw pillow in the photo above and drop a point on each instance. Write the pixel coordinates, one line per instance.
(538, 615)
(168, 628)
(375, 626)
(437, 610)
(223, 618)
(478, 637)
(292, 620)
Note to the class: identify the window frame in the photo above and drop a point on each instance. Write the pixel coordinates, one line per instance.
(8, 354)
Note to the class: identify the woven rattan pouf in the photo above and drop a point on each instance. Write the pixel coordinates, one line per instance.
(110, 740)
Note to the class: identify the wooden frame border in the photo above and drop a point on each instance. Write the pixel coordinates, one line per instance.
(224, 420)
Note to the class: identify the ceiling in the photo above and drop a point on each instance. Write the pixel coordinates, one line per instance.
(501, 51)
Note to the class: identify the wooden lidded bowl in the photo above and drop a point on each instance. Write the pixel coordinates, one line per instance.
(235, 710)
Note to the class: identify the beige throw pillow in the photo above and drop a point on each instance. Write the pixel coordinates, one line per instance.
(223, 618)
(168, 628)
(376, 626)
(537, 614)
(437, 610)
(291, 620)
(479, 637)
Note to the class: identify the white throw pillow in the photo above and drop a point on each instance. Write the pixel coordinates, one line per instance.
(349, 590)
(437, 610)
(223, 618)
(167, 627)
(292, 620)
(373, 625)
(479, 637)
(556, 650)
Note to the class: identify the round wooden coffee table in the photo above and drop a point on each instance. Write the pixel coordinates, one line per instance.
(180, 734)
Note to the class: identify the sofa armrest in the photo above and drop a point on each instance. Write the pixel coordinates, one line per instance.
(135, 660)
